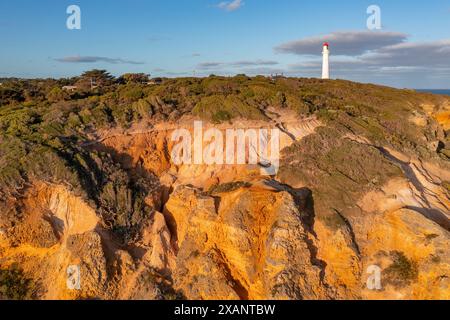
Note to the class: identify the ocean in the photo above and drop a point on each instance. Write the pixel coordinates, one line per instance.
(435, 91)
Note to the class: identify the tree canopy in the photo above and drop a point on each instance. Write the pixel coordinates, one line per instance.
(95, 77)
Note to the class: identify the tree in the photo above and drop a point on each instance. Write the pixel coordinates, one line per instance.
(134, 78)
(95, 78)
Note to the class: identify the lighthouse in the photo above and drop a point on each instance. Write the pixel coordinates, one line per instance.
(326, 61)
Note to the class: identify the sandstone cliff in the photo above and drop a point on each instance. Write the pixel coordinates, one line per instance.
(357, 188)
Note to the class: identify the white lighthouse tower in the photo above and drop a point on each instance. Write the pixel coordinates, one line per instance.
(326, 61)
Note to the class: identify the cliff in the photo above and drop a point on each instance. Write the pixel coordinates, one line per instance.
(363, 181)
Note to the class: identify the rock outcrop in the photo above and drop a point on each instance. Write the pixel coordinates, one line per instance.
(249, 244)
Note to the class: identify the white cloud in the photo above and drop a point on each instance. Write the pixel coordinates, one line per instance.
(368, 54)
(343, 42)
(412, 54)
(210, 65)
(237, 64)
(247, 63)
(230, 5)
(94, 59)
(415, 60)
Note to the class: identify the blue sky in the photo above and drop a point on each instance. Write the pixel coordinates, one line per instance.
(178, 38)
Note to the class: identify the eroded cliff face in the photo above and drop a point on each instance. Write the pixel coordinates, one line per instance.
(339, 205)
(60, 231)
(249, 244)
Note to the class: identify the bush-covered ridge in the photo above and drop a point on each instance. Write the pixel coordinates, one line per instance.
(42, 125)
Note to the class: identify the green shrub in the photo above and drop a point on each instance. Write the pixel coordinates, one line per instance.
(57, 94)
(402, 271)
(131, 93)
(221, 116)
(228, 187)
(218, 108)
(142, 109)
(14, 285)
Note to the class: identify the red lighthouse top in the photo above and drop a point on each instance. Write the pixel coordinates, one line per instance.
(326, 44)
